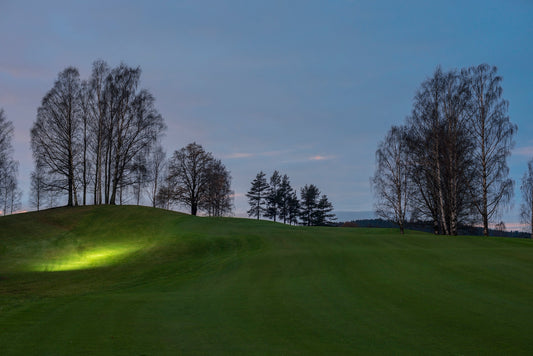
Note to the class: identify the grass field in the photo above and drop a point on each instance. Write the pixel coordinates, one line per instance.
(135, 280)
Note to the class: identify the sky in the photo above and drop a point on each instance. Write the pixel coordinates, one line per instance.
(307, 88)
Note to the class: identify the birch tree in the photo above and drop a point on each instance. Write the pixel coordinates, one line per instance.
(55, 133)
(493, 134)
(391, 178)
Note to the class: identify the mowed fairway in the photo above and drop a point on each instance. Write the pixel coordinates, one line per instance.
(136, 280)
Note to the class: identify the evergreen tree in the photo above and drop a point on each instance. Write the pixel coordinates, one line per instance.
(309, 204)
(285, 194)
(324, 215)
(257, 195)
(293, 208)
(274, 196)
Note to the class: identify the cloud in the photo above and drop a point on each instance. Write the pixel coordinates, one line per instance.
(24, 71)
(260, 154)
(524, 151)
(320, 158)
(238, 155)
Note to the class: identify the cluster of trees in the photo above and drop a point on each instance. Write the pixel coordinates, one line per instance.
(9, 192)
(277, 199)
(98, 140)
(198, 181)
(94, 137)
(448, 162)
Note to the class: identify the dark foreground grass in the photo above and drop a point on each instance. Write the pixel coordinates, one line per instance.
(133, 281)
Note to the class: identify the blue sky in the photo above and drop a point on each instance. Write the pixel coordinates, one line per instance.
(305, 87)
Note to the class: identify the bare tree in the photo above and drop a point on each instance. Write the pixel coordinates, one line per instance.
(165, 195)
(188, 174)
(85, 102)
(526, 209)
(55, 134)
(8, 167)
(493, 134)
(6, 136)
(96, 132)
(391, 179)
(157, 171)
(140, 176)
(10, 194)
(218, 200)
(38, 186)
(98, 111)
(135, 124)
(439, 152)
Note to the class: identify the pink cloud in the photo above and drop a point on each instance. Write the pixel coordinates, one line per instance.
(238, 155)
(524, 151)
(320, 158)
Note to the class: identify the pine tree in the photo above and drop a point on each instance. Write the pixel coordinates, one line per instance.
(323, 215)
(285, 193)
(293, 208)
(257, 195)
(308, 204)
(274, 198)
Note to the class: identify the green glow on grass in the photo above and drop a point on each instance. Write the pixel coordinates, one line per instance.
(91, 258)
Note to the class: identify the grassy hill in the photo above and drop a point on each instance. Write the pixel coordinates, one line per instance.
(135, 280)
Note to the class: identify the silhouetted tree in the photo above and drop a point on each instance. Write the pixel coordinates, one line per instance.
(188, 170)
(165, 194)
(157, 169)
(285, 194)
(55, 134)
(218, 200)
(8, 167)
(38, 186)
(140, 176)
(500, 228)
(136, 124)
(96, 132)
(85, 113)
(391, 179)
(294, 209)
(324, 215)
(440, 152)
(526, 209)
(98, 111)
(274, 197)
(309, 196)
(493, 134)
(257, 195)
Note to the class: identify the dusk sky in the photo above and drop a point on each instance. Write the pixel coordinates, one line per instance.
(305, 87)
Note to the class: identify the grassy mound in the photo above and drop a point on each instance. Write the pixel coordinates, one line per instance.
(135, 280)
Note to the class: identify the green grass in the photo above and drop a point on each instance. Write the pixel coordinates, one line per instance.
(134, 281)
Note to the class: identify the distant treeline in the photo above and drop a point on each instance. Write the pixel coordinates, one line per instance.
(427, 226)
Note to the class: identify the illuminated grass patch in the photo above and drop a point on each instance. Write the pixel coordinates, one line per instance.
(92, 258)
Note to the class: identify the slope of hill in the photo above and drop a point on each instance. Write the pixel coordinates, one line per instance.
(136, 280)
